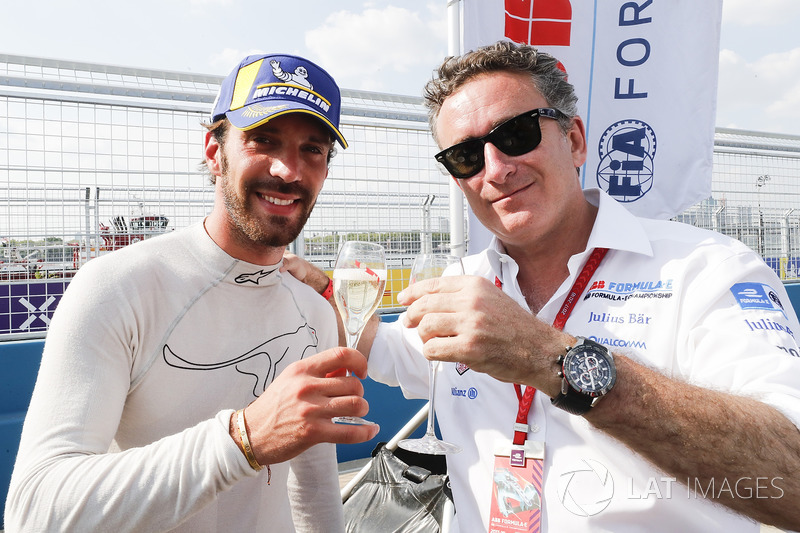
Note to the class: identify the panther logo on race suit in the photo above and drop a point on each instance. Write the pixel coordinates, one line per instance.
(260, 362)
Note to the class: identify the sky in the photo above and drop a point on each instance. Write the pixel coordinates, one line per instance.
(389, 46)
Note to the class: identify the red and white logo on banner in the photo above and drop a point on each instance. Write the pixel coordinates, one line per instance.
(540, 23)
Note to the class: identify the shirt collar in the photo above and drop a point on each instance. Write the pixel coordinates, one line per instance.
(232, 270)
(497, 256)
(615, 227)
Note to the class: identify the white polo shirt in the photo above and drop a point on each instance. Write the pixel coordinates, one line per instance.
(691, 303)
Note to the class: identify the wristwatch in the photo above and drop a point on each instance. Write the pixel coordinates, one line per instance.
(588, 373)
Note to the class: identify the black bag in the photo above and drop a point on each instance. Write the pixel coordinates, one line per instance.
(402, 492)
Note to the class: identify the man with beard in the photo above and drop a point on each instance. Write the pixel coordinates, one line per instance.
(183, 382)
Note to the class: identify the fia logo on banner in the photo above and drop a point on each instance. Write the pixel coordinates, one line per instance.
(627, 151)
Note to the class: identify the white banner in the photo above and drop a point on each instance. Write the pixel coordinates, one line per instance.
(645, 72)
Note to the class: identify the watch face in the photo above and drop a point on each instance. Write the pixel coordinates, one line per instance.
(589, 371)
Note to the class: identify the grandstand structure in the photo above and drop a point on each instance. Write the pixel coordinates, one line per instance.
(93, 157)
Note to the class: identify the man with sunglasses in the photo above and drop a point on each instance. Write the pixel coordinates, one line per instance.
(640, 371)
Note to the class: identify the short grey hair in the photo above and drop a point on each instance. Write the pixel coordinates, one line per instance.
(546, 72)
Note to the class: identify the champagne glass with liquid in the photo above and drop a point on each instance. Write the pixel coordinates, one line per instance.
(426, 266)
(359, 278)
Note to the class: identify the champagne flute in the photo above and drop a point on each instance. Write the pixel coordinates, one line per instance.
(426, 266)
(359, 278)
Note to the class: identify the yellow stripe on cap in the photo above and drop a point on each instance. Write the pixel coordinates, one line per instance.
(244, 83)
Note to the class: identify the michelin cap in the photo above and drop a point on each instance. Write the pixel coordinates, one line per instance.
(266, 86)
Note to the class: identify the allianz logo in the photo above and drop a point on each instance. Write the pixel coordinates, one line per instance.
(470, 393)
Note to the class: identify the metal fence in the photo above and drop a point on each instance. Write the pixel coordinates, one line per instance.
(94, 157)
(755, 196)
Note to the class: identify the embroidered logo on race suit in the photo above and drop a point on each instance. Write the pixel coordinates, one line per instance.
(261, 362)
(752, 295)
(255, 277)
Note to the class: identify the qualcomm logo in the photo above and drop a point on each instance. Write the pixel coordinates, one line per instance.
(587, 489)
(627, 150)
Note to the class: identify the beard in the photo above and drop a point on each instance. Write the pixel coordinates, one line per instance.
(265, 230)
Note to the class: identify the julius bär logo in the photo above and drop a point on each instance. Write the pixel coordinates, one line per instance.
(627, 150)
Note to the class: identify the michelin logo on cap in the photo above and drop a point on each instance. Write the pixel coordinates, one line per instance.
(300, 75)
(263, 87)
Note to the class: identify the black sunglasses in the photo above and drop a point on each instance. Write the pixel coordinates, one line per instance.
(515, 136)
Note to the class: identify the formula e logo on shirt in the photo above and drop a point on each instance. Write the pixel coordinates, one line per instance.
(757, 296)
(623, 290)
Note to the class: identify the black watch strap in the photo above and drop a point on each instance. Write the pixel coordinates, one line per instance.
(572, 402)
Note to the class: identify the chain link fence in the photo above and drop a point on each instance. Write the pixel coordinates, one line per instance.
(95, 157)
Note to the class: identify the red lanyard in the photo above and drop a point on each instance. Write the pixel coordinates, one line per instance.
(526, 399)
